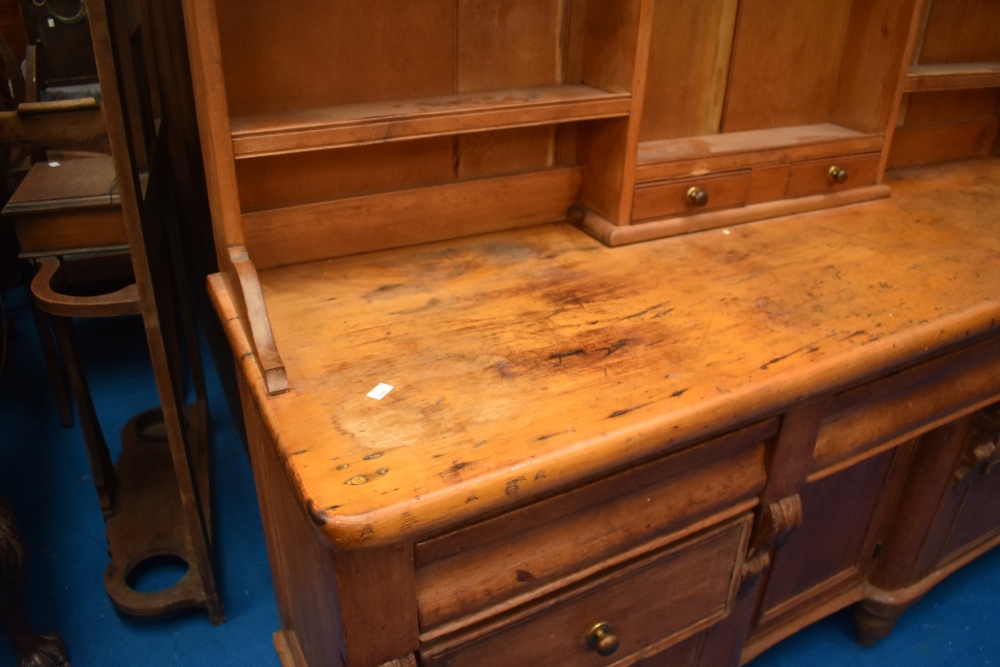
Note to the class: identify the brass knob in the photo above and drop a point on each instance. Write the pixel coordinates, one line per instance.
(602, 639)
(838, 175)
(697, 196)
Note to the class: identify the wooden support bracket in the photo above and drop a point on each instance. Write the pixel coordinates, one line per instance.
(257, 322)
(774, 524)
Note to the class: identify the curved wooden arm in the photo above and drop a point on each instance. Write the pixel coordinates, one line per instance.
(121, 302)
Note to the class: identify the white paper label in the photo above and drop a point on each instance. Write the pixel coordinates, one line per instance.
(380, 392)
(53, 164)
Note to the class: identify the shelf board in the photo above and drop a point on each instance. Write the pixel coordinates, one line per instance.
(378, 122)
(960, 76)
(737, 150)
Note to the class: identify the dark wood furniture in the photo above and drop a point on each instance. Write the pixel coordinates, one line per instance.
(667, 453)
(71, 217)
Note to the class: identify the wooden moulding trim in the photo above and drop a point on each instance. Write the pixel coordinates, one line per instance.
(394, 120)
(768, 638)
(673, 158)
(844, 584)
(121, 302)
(906, 596)
(616, 235)
(405, 217)
(97, 250)
(56, 106)
(963, 76)
(64, 205)
(266, 352)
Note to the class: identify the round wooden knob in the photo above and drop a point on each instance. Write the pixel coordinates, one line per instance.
(602, 639)
(697, 196)
(838, 175)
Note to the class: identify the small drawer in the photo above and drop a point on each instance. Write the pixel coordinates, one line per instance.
(690, 195)
(817, 177)
(645, 607)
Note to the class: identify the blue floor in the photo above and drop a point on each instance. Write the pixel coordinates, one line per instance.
(45, 478)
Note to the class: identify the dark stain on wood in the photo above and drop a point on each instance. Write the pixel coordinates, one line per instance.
(619, 413)
(783, 357)
(679, 392)
(381, 291)
(372, 457)
(525, 576)
(614, 347)
(643, 312)
(559, 356)
(471, 498)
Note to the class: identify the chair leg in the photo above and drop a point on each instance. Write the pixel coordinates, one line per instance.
(31, 649)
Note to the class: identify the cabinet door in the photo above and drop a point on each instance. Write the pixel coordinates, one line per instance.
(829, 554)
(978, 518)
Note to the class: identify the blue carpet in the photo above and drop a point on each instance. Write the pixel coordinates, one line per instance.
(45, 478)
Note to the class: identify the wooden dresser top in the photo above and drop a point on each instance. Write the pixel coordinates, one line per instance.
(525, 362)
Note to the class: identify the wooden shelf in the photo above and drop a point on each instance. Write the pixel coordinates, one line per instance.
(377, 122)
(736, 150)
(960, 76)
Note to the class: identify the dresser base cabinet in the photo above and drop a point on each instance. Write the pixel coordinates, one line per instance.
(568, 464)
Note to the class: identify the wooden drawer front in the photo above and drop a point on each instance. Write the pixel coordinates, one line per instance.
(887, 412)
(813, 177)
(47, 233)
(666, 198)
(650, 604)
(470, 575)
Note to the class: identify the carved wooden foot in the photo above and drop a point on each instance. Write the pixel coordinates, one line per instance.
(31, 649)
(873, 621)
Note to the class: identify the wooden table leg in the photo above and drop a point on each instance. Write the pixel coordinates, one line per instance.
(31, 649)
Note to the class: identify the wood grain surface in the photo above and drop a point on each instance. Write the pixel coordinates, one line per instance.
(487, 341)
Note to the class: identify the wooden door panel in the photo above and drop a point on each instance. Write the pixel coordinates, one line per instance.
(831, 542)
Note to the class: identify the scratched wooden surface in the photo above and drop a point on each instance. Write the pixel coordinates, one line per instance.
(524, 362)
